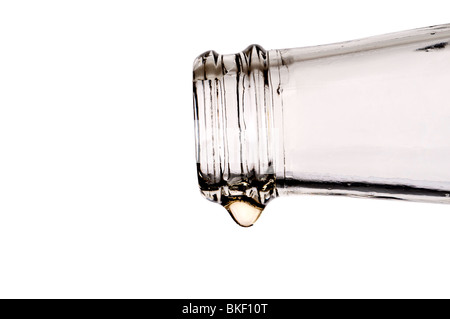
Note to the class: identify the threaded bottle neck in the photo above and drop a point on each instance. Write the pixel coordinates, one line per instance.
(234, 109)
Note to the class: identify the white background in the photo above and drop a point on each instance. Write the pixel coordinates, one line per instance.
(98, 190)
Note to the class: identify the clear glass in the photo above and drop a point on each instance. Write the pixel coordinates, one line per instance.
(367, 118)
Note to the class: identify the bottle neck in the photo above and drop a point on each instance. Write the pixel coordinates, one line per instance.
(366, 118)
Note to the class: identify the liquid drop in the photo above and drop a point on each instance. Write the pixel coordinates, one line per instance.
(243, 212)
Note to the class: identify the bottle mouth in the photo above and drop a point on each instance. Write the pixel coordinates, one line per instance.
(234, 126)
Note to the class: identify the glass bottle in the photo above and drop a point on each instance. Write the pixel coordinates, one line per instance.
(366, 118)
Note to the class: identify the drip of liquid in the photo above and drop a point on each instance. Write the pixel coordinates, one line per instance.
(243, 212)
